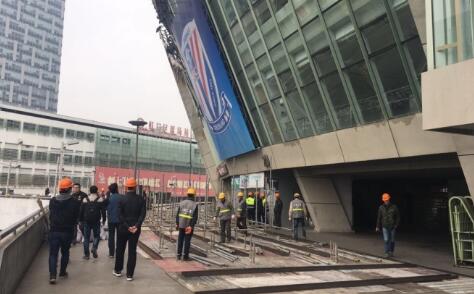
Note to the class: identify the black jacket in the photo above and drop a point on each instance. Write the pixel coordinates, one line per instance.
(388, 216)
(63, 213)
(277, 210)
(132, 210)
(79, 195)
(93, 208)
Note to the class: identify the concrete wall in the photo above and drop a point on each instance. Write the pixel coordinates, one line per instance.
(17, 254)
(448, 96)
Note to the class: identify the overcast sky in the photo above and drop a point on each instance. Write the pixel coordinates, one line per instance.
(114, 67)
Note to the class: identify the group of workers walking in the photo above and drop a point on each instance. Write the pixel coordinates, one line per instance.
(73, 209)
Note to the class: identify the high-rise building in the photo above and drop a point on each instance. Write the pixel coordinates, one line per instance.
(31, 33)
(331, 93)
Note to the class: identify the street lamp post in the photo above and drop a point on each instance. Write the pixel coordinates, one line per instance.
(10, 166)
(60, 163)
(138, 123)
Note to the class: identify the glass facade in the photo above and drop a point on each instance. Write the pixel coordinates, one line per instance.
(308, 67)
(453, 31)
(117, 149)
(30, 52)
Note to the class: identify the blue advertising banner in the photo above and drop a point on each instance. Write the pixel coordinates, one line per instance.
(210, 81)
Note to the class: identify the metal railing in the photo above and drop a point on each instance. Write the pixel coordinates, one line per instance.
(22, 224)
(461, 217)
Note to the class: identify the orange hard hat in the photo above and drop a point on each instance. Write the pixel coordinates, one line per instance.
(65, 183)
(191, 191)
(385, 197)
(131, 183)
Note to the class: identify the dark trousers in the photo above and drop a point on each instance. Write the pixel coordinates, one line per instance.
(122, 239)
(277, 220)
(184, 241)
(74, 236)
(225, 230)
(251, 214)
(298, 222)
(112, 230)
(242, 223)
(59, 240)
(95, 228)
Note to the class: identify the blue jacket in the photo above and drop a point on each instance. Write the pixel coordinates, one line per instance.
(112, 208)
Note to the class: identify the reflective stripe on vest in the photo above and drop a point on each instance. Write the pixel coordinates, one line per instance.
(224, 211)
(185, 216)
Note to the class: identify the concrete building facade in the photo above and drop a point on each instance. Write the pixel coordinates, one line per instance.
(31, 33)
(333, 91)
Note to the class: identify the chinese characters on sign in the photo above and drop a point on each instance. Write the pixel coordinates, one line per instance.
(168, 131)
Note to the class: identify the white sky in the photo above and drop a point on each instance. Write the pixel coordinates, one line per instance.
(114, 67)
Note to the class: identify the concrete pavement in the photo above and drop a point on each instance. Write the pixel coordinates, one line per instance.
(95, 276)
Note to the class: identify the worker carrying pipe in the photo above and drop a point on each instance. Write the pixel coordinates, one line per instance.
(186, 219)
(225, 213)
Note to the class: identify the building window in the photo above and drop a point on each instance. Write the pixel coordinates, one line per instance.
(88, 161)
(126, 141)
(115, 140)
(80, 135)
(26, 155)
(29, 128)
(77, 160)
(41, 156)
(70, 134)
(90, 137)
(68, 159)
(10, 154)
(43, 130)
(13, 125)
(104, 138)
(53, 157)
(57, 132)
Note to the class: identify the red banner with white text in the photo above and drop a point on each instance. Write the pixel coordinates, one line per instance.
(155, 181)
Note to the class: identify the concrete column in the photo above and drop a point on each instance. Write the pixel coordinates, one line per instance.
(323, 200)
(465, 149)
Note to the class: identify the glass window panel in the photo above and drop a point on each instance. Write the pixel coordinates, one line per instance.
(248, 24)
(300, 59)
(43, 130)
(256, 84)
(321, 119)
(245, 55)
(233, 57)
(271, 124)
(268, 77)
(256, 44)
(342, 30)
(367, 11)
(259, 127)
(28, 127)
(364, 91)
(241, 6)
(340, 103)
(282, 67)
(378, 35)
(58, 132)
(326, 3)
(262, 13)
(395, 83)
(237, 34)
(295, 104)
(305, 10)
(283, 119)
(13, 125)
(406, 22)
(417, 56)
(318, 46)
(270, 33)
(229, 12)
(285, 17)
(246, 94)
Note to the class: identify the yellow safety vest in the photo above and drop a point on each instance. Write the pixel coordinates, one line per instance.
(250, 201)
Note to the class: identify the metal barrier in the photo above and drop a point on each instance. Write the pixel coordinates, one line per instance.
(19, 244)
(461, 217)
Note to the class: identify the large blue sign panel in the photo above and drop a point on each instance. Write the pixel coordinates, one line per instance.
(210, 81)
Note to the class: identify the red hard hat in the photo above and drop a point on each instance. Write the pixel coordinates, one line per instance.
(131, 183)
(65, 183)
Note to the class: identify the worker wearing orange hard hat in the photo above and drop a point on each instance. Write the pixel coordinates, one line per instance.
(186, 219)
(132, 211)
(388, 219)
(63, 216)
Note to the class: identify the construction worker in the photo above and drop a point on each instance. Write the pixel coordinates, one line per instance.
(260, 209)
(225, 213)
(297, 214)
(277, 210)
(241, 212)
(388, 219)
(186, 219)
(63, 217)
(250, 202)
(132, 211)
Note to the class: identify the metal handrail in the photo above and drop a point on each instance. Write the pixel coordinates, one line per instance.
(23, 223)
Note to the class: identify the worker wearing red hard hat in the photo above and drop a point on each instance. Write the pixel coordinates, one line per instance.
(63, 216)
(388, 219)
(132, 210)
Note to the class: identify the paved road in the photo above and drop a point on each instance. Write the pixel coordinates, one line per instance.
(95, 276)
